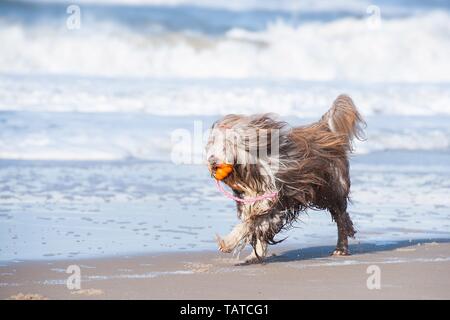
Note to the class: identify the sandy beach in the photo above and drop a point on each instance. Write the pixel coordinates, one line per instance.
(408, 270)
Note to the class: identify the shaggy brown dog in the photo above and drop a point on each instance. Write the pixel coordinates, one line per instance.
(306, 166)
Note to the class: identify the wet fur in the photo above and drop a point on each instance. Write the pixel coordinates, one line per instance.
(311, 171)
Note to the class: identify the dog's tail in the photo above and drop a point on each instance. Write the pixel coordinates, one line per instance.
(344, 119)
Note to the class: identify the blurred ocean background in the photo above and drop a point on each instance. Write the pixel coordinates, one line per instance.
(86, 115)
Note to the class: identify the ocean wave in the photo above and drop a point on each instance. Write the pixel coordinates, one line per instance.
(181, 97)
(409, 49)
(116, 136)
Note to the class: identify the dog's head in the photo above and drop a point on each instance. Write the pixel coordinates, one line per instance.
(243, 147)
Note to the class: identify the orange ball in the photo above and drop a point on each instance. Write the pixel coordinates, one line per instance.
(222, 171)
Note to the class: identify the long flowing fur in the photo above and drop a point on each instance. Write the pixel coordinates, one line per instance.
(309, 171)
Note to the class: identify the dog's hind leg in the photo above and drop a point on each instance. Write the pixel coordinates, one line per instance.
(345, 230)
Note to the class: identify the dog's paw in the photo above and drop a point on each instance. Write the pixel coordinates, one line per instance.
(222, 245)
(339, 252)
(252, 260)
(248, 261)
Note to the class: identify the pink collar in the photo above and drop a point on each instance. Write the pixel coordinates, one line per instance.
(248, 200)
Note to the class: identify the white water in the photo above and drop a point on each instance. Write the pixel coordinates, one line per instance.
(405, 49)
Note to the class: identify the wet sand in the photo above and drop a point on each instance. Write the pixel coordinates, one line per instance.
(408, 270)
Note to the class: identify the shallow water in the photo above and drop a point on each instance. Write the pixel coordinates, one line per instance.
(61, 209)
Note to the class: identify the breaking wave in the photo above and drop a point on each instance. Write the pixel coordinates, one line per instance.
(345, 48)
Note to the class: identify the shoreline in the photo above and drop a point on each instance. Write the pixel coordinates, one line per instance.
(408, 270)
(78, 209)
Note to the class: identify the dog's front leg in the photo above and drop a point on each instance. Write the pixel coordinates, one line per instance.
(259, 252)
(229, 242)
(264, 227)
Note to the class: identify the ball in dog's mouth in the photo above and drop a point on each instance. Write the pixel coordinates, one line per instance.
(222, 171)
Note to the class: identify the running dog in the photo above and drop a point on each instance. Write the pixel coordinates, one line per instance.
(303, 167)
